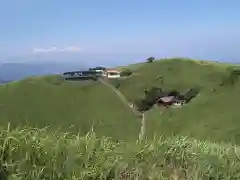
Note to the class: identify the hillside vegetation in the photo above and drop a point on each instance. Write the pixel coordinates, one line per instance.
(176, 145)
(212, 115)
(39, 154)
(50, 101)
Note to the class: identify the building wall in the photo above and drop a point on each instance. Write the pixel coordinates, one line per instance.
(99, 70)
(113, 76)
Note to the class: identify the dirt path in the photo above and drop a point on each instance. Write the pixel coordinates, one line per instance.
(120, 96)
(125, 101)
(143, 128)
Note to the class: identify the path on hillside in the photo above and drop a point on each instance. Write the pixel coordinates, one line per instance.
(119, 94)
(125, 101)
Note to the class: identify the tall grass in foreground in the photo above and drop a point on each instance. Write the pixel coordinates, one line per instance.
(33, 154)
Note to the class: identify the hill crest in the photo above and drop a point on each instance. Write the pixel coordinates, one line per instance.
(49, 100)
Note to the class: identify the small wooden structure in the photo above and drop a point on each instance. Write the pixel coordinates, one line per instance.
(167, 101)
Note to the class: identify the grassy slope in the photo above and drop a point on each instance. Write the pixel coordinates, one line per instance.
(212, 115)
(50, 101)
(39, 154)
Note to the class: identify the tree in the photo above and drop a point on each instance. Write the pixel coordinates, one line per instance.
(150, 59)
(143, 105)
(191, 93)
(150, 99)
(153, 95)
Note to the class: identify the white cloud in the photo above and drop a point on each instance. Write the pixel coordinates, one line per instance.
(57, 49)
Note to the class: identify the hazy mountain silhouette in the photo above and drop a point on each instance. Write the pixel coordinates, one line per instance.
(16, 71)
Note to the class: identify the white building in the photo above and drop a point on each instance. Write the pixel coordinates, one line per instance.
(112, 73)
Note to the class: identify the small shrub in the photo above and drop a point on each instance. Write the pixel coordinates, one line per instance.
(191, 93)
(126, 72)
(150, 59)
(232, 75)
(143, 105)
(153, 94)
(151, 97)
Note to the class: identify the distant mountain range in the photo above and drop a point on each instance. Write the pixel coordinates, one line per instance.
(43, 64)
(17, 71)
(4, 81)
(11, 71)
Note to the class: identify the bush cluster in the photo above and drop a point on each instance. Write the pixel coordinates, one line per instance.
(126, 72)
(232, 76)
(153, 94)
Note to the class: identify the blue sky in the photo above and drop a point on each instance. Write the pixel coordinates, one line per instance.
(120, 31)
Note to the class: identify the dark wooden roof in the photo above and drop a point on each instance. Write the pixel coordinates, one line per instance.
(72, 72)
(167, 99)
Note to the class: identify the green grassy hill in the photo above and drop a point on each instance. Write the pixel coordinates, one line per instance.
(213, 114)
(49, 101)
(27, 153)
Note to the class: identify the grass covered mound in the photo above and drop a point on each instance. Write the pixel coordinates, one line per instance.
(212, 115)
(50, 101)
(41, 154)
(175, 73)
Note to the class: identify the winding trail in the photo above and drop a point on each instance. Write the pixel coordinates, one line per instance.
(120, 96)
(125, 101)
(143, 128)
